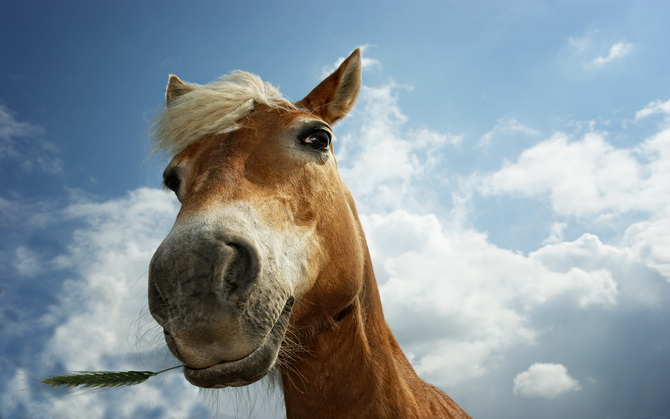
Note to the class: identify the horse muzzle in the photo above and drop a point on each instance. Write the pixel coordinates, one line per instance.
(204, 291)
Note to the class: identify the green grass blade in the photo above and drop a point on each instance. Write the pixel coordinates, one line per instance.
(102, 379)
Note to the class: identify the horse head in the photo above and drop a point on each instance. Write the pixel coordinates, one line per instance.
(267, 238)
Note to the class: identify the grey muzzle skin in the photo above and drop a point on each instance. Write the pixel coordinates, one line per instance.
(202, 291)
(214, 267)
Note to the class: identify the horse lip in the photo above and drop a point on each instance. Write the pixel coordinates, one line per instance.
(249, 369)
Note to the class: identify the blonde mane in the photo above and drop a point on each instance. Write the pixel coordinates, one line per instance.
(212, 108)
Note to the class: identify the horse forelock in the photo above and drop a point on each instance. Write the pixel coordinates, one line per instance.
(213, 108)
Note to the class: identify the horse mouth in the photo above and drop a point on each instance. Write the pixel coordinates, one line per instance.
(249, 369)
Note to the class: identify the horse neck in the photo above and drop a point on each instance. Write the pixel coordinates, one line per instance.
(355, 368)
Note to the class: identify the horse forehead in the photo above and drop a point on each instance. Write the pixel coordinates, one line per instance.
(267, 125)
(266, 142)
(267, 121)
(261, 126)
(252, 161)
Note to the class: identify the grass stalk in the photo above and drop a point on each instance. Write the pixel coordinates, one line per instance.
(102, 379)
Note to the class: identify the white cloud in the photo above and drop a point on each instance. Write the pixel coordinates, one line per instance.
(505, 126)
(370, 169)
(544, 380)
(588, 177)
(382, 161)
(30, 152)
(478, 296)
(592, 179)
(11, 128)
(580, 45)
(650, 242)
(110, 256)
(616, 52)
(26, 261)
(656, 107)
(590, 52)
(557, 232)
(427, 138)
(481, 299)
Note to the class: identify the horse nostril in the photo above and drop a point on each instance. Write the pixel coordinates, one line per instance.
(242, 268)
(158, 305)
(216, 266)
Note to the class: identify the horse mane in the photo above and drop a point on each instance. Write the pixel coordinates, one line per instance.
(213, 108)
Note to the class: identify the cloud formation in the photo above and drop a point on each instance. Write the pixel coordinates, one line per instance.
(544, 380)
(10, 128)
(486, 302)
(480, 298)
(590, 52)
(383, 181)
(656, 107)
(617, 52)
(589, 176)
(20, 143)
(505, 126)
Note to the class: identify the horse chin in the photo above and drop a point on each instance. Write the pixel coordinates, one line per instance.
(249, 369)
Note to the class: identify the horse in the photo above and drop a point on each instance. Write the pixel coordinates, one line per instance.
(266, 269)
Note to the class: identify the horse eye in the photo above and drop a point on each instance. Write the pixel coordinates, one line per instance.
(318, 139)
(171, 181)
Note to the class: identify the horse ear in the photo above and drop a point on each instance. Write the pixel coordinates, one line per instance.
(175, 88)
(335, 96)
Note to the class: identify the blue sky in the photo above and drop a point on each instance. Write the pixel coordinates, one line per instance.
(510, 162)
